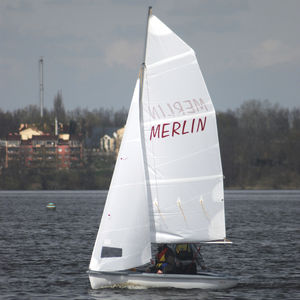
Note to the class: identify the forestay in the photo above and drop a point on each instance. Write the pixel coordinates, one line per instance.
(181, 141)
(123, 239)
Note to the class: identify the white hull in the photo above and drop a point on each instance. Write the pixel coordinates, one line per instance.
(205, 281)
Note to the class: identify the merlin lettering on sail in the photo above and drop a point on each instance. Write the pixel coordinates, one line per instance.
(177, 128)
(177, 108)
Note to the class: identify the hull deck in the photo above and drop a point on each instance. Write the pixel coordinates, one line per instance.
(129, 279)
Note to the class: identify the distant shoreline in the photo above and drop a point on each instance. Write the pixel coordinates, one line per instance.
(106, 190)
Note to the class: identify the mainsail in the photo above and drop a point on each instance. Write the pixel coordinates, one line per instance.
(167, 185)
(182, 148)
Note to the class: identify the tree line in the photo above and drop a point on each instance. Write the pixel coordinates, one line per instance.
(260, 146)
(75, 122)
(259, 142)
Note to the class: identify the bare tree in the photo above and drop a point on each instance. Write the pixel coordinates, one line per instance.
(59, 109)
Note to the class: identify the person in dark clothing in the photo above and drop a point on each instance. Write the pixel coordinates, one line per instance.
(187, 258)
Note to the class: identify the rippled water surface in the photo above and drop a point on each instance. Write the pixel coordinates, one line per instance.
(45, 254)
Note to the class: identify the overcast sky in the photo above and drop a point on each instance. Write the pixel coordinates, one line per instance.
(92, 49)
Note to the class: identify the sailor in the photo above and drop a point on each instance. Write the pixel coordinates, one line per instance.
(184, 251)
(187, 255)
(165, 260)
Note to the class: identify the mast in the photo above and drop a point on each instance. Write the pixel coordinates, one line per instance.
(147, 27)
(141, 115)
(141, 77)
(143, 65)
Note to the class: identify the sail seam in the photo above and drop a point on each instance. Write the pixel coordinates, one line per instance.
(170, 59)
(182, 158)
(186, 179)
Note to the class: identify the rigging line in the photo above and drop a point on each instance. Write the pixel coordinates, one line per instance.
(141, 118)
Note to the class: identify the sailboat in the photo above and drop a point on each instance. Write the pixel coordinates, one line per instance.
(167, 185)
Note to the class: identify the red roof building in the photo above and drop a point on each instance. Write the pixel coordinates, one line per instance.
(45, 151)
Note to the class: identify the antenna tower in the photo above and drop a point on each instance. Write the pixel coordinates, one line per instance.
(41, 75)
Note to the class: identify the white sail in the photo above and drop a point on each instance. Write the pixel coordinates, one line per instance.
(181, 141)
(167, 186)
(123, 240)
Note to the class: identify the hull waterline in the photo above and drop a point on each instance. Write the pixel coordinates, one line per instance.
(207, 281)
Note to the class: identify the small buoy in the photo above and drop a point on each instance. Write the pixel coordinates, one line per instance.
(51, 205)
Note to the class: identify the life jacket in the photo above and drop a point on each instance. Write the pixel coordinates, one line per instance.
(184, 252)
(161, 257)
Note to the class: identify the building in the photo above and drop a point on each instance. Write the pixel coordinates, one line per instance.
(76, 152)
(107, 144)
(12, 149)
(43, 150)
(27, 133)
(111, 145)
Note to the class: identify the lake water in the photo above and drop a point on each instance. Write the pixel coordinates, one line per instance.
(45, 254)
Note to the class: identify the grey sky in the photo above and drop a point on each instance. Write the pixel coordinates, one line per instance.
(92, 49)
